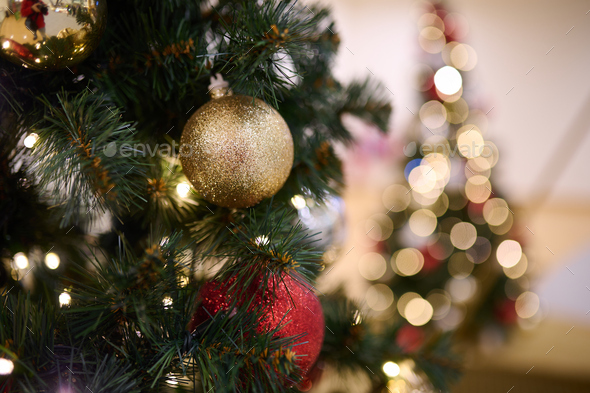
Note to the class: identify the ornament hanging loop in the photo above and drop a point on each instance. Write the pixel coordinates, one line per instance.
(218, 87)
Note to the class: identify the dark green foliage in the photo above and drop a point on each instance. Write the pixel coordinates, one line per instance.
(25, 221)
(50, 360)
(270, 246)
(118, 335)
(81, 157)
(259, 41)
(368, 101)
(164, 205)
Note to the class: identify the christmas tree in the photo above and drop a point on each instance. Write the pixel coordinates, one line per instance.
(454, 249)
(131, 264)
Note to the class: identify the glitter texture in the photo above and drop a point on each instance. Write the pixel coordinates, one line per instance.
(302, 315)
(236, 151)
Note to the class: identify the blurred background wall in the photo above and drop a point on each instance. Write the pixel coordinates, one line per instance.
(532, 75)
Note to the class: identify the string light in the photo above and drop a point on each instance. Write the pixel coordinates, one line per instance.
(167, 301)
(262, 240)
(448, 80)
(470, 144)
(183, 281)
(31, 139)
(527, 305)
(407, 261)
(422, 222)
(21, 261)
(357, 318)
(422, 179)
(6, 366)
(478, 189)
(418, 311)
(462, 289)
(433, 114)
(52, 260)
(509, 253)
(463, 235)
(391, 369)
(171, 380)
(495, 211)
(183, 189)
(379, 227)
(65, 299)
(298, 202)
(517, 270)
(404, 300)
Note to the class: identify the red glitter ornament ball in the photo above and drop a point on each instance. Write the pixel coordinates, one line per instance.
(286, 301)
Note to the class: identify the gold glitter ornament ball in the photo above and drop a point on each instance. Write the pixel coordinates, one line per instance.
(236, 151)
(45, 36)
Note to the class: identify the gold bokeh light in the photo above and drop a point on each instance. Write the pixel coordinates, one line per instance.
(433, 114)
(418, 311)
(470, 144)
(423, 179)
(478, 189)
(517, 270)
(495, 211)
(460, 56)
(448, 80)
(527, 305)
(423, 222)
(379, 227)
(508, 253)
(21, 261)
(463, 235)
(462, 289)
(407, 261)
(457, 110)
(403, 301)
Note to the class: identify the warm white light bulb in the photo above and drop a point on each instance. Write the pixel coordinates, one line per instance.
(183, 189)
(65, 299)
(391, 369)
(298, 202)
(183, 281)
(448, 80)
(167, 302)
(357, 318)
(171, 380)
(6, 44)
(52, 260)
(262, 240)
(6, 366)
(30, 140)
(21, 261)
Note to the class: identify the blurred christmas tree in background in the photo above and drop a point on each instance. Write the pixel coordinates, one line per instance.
(449, 260)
